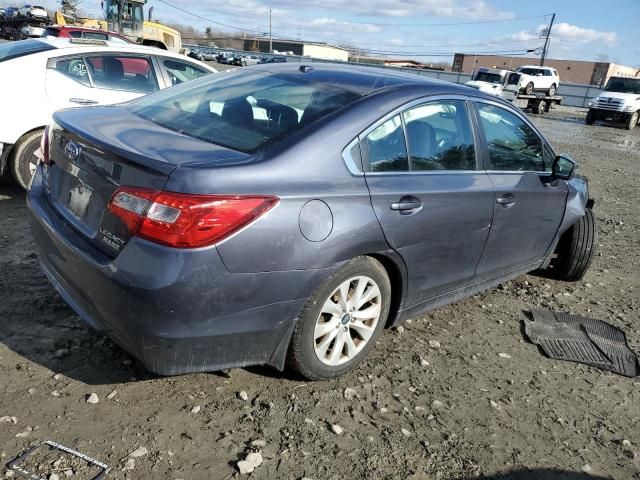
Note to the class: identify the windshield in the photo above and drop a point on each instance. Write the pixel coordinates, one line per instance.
(243, 110)
(488, 77)
(623, 85)
(19, 49)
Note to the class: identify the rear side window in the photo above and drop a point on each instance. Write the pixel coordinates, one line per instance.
(386, 147)
(129, 73)
(74, 68)
(75, 34)
(513, 145)
(11, 50)
(242, 110)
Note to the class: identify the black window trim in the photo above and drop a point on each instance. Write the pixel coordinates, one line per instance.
(353, 167)
(485, 147)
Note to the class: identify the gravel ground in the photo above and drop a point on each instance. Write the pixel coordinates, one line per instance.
(454, 394)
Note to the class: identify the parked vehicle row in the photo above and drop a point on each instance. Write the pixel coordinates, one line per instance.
(239, 59)
(266, 216)
(60, 73)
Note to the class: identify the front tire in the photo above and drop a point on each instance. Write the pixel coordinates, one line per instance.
(340, 323)
(632, 121)
(590, 118)
(577, 248)
(24, 162)
(552, 90)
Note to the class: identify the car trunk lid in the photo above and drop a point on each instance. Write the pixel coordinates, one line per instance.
(96, 150)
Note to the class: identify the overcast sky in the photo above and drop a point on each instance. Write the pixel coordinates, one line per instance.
(584, 29)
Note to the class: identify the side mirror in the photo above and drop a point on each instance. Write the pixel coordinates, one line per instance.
(563, 168)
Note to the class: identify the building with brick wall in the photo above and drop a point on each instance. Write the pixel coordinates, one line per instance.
(570, 71)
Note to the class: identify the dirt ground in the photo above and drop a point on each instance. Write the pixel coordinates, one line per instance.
(435, 400)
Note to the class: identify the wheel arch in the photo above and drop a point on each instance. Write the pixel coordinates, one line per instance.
(8, 156)
(397, 273)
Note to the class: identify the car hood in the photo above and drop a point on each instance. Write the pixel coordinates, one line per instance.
(117, 129)
(484, 86)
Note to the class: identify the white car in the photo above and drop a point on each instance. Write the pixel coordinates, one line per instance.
(544, 79)
(40, 76)
(34, 11)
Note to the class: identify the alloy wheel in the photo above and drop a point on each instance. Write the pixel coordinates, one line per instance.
(347, 320)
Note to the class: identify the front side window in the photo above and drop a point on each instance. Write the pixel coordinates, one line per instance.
(439, 136)
(513, 145)
(128, 73)
(386, 147)
(182, 71)
(242, 110)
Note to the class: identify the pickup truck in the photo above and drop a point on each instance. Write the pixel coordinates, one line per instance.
(619, 102)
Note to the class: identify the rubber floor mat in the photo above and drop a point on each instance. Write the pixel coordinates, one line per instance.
(584, 340)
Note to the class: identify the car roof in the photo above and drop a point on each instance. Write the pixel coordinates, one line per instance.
(359, 79)
(64, 46)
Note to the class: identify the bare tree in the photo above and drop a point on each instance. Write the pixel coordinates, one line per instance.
(70, 7)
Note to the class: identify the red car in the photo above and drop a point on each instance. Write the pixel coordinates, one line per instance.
(65, 31)
(131, 65)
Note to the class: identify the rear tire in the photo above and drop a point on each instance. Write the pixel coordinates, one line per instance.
(311, 352)
(24, 161)
(528, 90)
(590, 118)
(540, 107)
(632, 121)
(577, 248)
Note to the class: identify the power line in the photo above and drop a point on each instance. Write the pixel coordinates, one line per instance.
(476, 22)
(218, 23)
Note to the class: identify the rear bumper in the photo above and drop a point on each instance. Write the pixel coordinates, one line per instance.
(177, 311)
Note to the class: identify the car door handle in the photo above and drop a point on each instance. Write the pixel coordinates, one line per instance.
(506, 200)
(83, 101)
(406, 205)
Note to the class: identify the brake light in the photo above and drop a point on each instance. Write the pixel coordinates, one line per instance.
(184, 220)
(43, 152)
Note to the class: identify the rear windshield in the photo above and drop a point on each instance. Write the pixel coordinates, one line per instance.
(21, 48)
(51, 32)
(242, 110)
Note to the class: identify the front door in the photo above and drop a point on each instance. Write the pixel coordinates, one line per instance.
(433, 203)
(527, 207)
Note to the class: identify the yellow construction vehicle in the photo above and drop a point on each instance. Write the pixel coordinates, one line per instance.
(126, 17)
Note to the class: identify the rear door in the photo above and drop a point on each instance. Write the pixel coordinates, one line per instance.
(99, 79)
(527, 207)
(433, 203)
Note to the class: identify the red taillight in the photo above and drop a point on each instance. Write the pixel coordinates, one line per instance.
(183, 220)
(43, 152)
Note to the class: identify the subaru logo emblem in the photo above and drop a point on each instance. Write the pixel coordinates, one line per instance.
(72, 150)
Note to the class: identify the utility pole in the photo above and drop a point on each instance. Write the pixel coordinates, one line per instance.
(546, 41)
(299, 33)
(270, 37)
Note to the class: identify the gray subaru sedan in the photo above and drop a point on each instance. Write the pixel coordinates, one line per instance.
(285, 214)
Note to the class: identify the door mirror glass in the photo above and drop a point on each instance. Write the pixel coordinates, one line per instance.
(563, 167)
